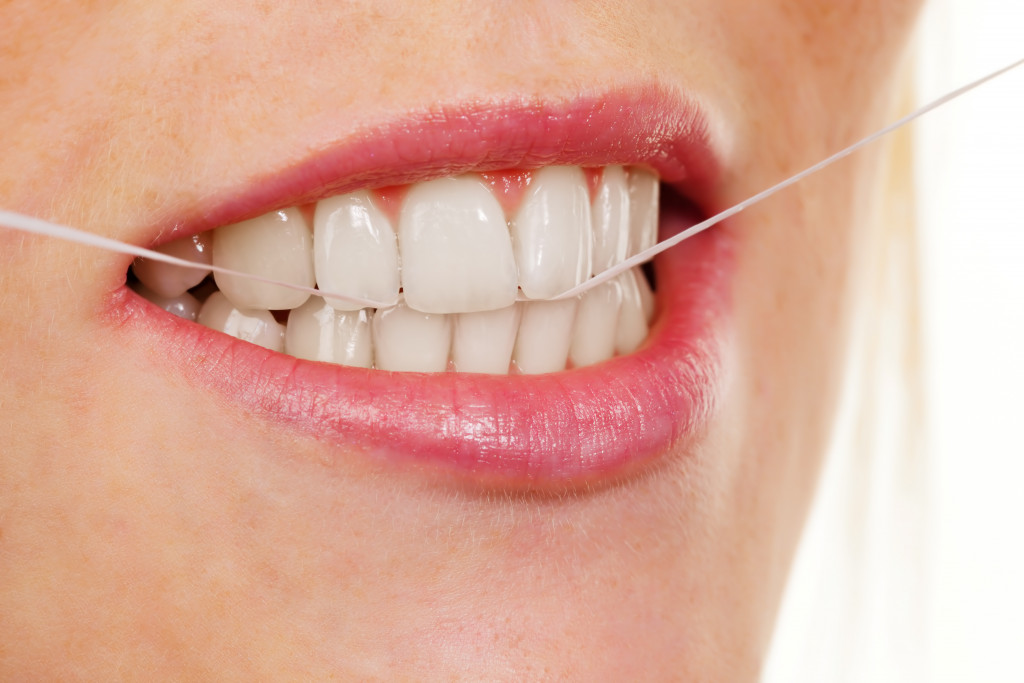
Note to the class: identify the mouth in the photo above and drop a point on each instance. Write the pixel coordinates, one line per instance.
(467, 221)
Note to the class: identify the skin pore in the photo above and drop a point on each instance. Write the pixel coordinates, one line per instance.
(151, 526)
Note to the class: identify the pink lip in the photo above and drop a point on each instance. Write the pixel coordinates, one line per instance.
(641, 127)
(588, 424)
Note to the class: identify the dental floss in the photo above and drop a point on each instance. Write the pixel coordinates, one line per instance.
(38, 226)
(670, 242)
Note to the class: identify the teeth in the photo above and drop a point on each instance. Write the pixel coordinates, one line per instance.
(545, 333)
(166, 280)
(257, 327)
(356, 251)
(611, 219)
(456, 250)
(646, 295)
(184, 305)
(483, 342)
(316, 331)
(593, 338)
(551, 232)
(410, 341)
(643, 210)
(454, 262)
(277, 245)
(632, 325)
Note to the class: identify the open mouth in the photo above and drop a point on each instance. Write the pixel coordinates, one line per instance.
(465, 364)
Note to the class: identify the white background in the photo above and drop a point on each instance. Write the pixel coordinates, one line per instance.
(971, 205)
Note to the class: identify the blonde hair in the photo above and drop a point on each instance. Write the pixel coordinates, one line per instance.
(854, 609)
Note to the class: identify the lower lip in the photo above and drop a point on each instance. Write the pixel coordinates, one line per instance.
(586, 425)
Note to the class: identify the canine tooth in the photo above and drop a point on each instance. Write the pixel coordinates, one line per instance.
(632, 324)
(166, 280)
(317, 331)
(610, 216)
(551, 232)
(255, 326)
(355, 250)
(643, 210)
(184, 305)
(545, 333)
(456, 249)
(483, 342)
(277, 245)
(593, 338)
(410, 341)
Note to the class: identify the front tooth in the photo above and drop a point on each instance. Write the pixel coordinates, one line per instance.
(277, 245)
(456, 249)
(257, 327)
(545, 333)
(551, 232)
(407, 340)
(643, 210)
(317, 331)
(166, 280)
(610, 214)
(355, 249)
(483, 342)
(593, 338)
(184, 305)
(632, 324)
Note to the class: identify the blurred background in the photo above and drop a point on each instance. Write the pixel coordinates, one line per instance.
(912, 563)
(970, 166)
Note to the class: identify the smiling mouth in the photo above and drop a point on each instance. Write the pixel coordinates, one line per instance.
(471, 370)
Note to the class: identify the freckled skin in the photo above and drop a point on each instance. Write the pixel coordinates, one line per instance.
(150, 529)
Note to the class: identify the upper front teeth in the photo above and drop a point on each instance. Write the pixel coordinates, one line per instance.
(356, 251)
(456, 249)
(452, 257)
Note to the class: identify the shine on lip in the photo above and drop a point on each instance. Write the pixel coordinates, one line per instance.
(568, 427)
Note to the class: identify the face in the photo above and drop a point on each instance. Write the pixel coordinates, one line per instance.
(619, 497)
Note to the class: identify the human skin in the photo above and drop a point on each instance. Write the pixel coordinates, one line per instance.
(153, 528)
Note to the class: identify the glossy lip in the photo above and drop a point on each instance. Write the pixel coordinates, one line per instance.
(578, 426)
(643, 126)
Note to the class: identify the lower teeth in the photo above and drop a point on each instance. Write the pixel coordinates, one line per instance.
(529, 337)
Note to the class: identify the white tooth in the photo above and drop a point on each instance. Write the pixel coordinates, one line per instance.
(184, 305)
(409, 341)
(593, 338)
(643, 210)
(277, 245)
(356, 251)
(551, 232)
(646, 295)
(632, 324)
(483, 342)
(611, 219)
(166, 280)
(316, 331)
(545, 333)
(456, 250)
(255, 326)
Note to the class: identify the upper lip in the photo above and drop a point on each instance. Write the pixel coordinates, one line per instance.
(583, 425)
(640, 126)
